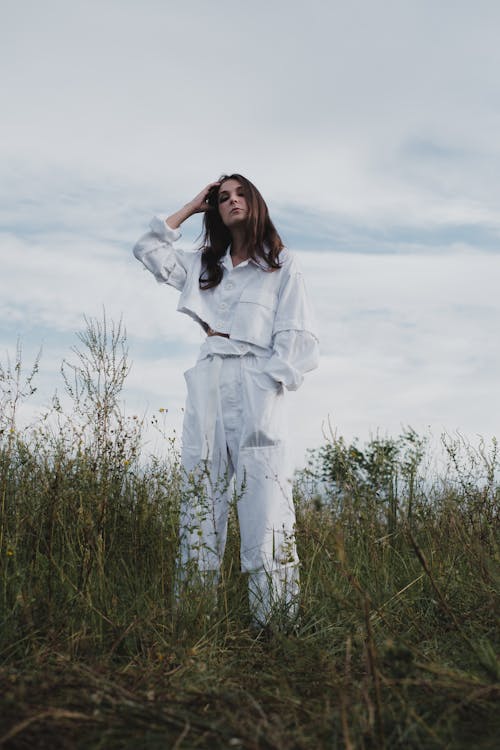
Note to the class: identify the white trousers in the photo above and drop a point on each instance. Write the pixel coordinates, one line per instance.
(234, 431)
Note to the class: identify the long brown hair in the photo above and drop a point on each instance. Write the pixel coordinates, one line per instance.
(262, 241)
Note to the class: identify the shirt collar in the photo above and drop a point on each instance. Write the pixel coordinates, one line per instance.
(228, 263)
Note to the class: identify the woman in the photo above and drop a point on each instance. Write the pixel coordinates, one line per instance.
(247, 293)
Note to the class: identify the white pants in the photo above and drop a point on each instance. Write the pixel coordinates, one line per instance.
(234, 427)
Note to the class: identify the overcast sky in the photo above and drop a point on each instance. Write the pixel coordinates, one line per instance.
(371, 128)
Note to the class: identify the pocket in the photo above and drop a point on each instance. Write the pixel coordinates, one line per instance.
(195, 376)
(254, 317)
(266, 382)
(262, 297)
(254, 366)
(192, 428)
(188, 374)
(200, 414)
(264, 410)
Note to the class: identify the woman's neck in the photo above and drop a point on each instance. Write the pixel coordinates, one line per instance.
(238, 249)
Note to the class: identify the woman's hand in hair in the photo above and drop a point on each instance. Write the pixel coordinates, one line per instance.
(201, 201)
(199, 204)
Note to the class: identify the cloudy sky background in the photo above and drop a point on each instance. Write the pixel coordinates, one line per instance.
(371, 128)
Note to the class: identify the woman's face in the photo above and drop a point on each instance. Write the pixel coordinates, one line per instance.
(232, 204)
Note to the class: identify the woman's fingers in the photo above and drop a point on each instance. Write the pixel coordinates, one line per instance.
(200, 202)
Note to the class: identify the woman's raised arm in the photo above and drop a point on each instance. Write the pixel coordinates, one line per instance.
(198, 205)
(155, 249)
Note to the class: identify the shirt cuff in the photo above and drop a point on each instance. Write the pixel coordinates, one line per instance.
(159, 226)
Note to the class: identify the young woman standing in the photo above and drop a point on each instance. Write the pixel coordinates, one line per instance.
(246, 291)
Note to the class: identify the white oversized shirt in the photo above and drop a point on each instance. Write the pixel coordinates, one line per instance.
(292, 349)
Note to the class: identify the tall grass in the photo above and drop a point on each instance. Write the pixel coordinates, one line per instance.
(397, 641)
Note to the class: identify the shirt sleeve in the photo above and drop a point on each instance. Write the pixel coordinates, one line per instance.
(295, 340)
(155, 250)
(294, 354)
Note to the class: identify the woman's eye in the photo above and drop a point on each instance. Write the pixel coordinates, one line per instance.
(222, 198)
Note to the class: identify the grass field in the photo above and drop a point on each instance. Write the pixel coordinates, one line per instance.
(397, 641)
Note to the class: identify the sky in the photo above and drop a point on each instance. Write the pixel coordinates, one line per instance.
(370, 128)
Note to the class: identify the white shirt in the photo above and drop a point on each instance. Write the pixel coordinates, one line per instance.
(293, 350)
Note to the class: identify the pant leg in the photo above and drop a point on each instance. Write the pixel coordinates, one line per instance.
(265, 506)
(207, 472)
(248, 434)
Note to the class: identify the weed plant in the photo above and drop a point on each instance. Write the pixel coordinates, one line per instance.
(397, 640)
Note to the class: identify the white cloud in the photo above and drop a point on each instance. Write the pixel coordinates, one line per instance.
(368, 127)
(317, 102)
(405, 340)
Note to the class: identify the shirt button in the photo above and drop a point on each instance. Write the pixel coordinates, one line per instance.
(229, 285)
(222, 306)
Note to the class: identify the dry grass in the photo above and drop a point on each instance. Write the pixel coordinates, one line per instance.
(397, 642)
